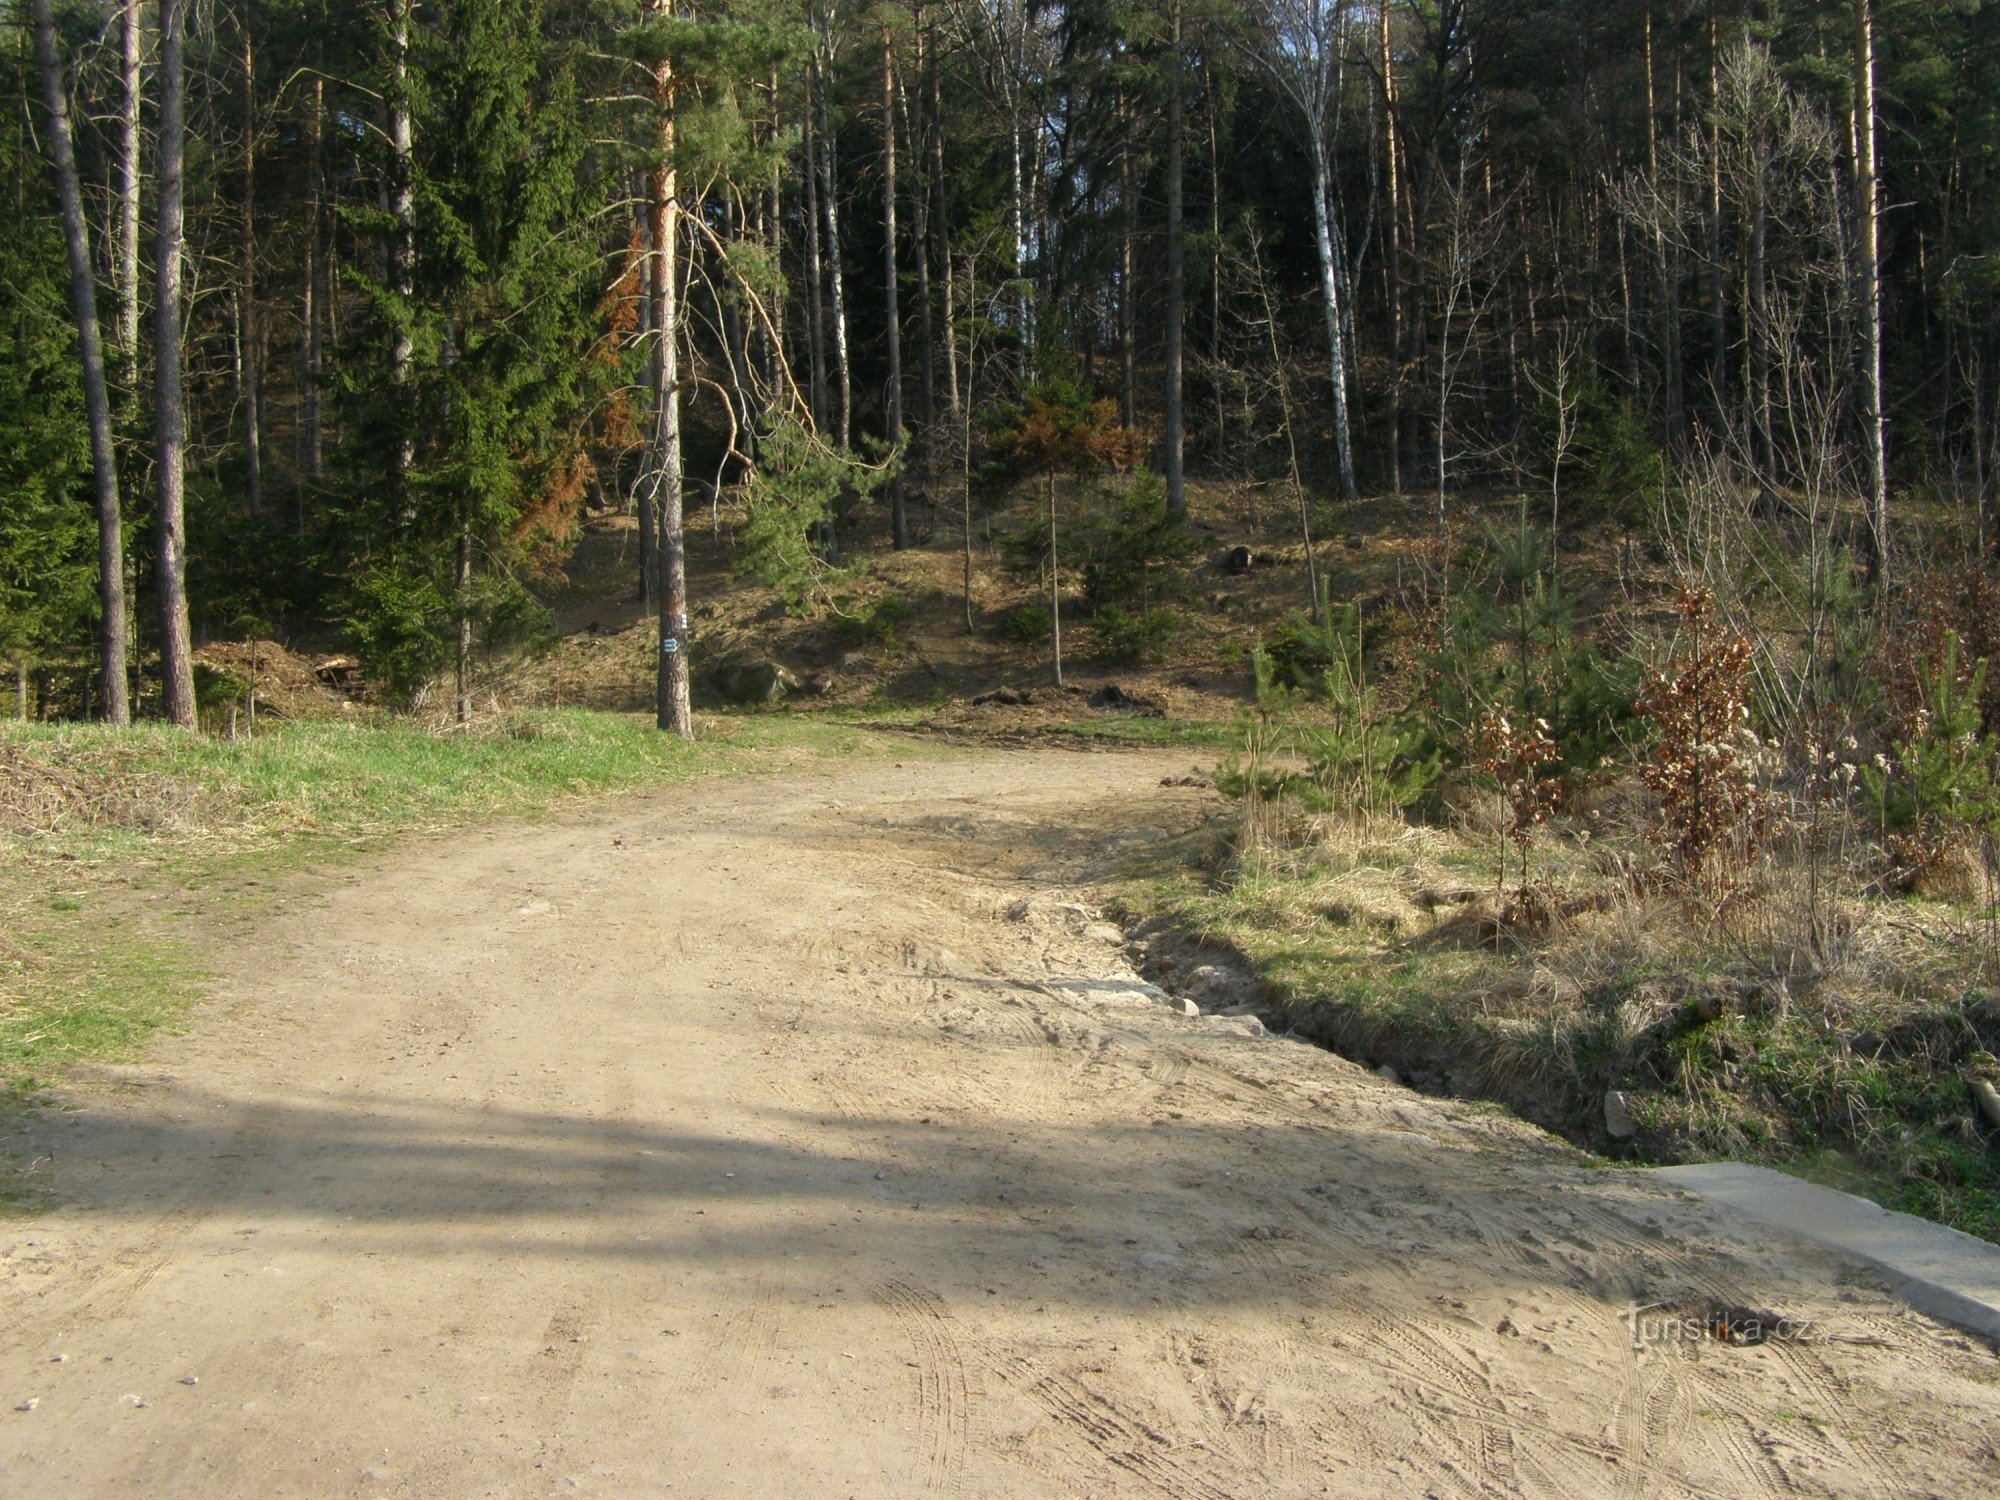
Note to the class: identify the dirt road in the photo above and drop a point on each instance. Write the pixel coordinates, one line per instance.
(803, 1137)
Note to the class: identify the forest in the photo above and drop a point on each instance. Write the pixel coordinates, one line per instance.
(330, 321)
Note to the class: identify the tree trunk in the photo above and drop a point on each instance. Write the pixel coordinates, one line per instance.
(675, 711)
(1175, 437)
(1055, 580)
(899, 521)
(462, 589)
(131, 47)
(1393, 259)
(310, 354)
(836, 286)
(815, 278)
(253, 374)
(402, 205)
(917, 120)
(96, 396)
(1874, 441)
(169, 417)
(1329, 278)
(1718, 295)
(648, 501)
(941, 218)
(1018, 211)
(1128, 315)
(1666, 290)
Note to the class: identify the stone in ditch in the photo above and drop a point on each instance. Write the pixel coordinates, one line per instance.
(1618, 1122)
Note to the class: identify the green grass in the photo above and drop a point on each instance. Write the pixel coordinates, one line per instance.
(95, 821)
(1144, 729)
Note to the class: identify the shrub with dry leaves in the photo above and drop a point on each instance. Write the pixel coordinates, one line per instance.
(1711, 808)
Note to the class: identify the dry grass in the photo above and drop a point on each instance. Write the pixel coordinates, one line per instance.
(1793, 1012)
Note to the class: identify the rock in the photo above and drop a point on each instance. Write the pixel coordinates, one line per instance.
(854, 661)
(1104, 932)
(1179, 1003)
(1355, 541)
(761, 682)
(1618, 1123)
(1569, 541)
(1238, 559)
(822, 685)
(1388, 1074)
(1242, 1025)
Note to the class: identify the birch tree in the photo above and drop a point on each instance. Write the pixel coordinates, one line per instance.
(1302, 47)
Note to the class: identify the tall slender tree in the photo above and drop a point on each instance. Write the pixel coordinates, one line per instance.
(169, 409)
(96, 396)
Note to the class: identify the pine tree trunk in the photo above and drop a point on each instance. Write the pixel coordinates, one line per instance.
(131, 356)
(462, 593)
(1128, 316)
(899, 521)
(1393, 259)
(169, 415)
(96, 394)
(916, 122)
(648, 500)
(1055, 580)
(941, 219)
(1215, 270)
(310, 355)
(253, 373)
(1874, 440)
(1175, 437)
(815, 278)
(675, 710)
(402, 206)
(771, 232)
(1718, 294)
(131, 48)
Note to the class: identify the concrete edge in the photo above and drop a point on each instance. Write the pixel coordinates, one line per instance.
(1941, 1272)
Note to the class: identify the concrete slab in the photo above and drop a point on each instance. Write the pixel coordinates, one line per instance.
(1953, 1276)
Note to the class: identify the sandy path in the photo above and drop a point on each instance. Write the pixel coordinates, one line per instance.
(770, 1138)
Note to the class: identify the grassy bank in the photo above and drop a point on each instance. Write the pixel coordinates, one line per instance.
(98, 826)
(1395, 945)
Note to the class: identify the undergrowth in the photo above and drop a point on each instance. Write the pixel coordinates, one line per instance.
(1712, 877)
